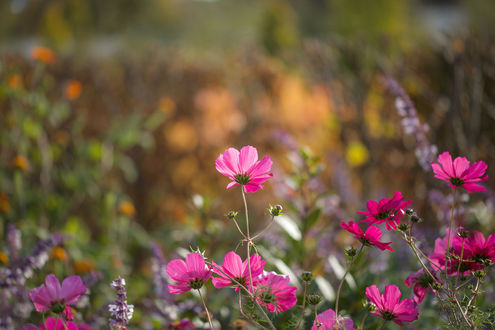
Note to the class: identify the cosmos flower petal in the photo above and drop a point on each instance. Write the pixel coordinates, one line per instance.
(445, 159)
(247, 158)
(461, 164)
(72, 288)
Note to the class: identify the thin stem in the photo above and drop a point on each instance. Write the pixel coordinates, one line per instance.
(475, 293)
(460, 262)
(464, 316)
(349, 266)
(303, 305)
(239, 228)
(361, 326)
(250, 285)
(447, 253)
(316, 317)
(206, 309)
(246, 316)
(415, 249)
(264, 230)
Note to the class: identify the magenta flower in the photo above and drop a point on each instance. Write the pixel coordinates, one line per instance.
(191, 274)
(53, 296)
(235, 268)
(274, 292)
(371, 237)
(459, 173)
(438, 260)
(244, 168)
(386, 210)
(326, 321)
(479, 250)
(422, 283)
(52, 323)
(388, 306)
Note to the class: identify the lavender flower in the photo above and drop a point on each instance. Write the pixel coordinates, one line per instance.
(121, 312)
(425, 152)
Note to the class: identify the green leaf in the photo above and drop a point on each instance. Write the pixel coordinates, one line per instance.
(311, 219)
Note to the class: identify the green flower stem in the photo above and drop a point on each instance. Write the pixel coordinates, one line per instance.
(460, 262)
(264, 230)
(303, 305)
(447, 252)
(206, 309)
(250, 284)
(349, 266)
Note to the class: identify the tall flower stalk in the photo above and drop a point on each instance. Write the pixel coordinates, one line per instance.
(121, 312)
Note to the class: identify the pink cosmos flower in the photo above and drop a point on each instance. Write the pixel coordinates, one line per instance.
(438, 260)
(479, 250)
(372, 235)
(191, 274)
(52, 323)
(459, 173)
(56, 297)
(235, 268)
(244, 168)
(274, 292)
(388, 306)
(386, 210)
(326, 321)
(422, 283)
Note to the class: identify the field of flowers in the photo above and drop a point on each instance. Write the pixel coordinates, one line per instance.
(299, 182)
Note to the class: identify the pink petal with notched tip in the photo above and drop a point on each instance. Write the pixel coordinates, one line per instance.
(445, 159)
(177, 270)
(231, 159)
(391, 297)
(247, 158)
(461, 164)
(260, 168)
(72, 289)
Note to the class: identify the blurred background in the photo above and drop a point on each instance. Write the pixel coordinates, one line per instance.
(113, 113)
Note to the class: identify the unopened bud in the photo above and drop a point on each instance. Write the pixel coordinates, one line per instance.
(463, 233)
(231, 214)
(350, 252)
(416, 219)
(436, 286)
(479, 274)
(307, 276)
(314, 299)
(275, 211)
(409, 212)
(403, 227)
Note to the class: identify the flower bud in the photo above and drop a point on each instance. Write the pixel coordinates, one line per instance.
(409, 212)
(231, 215)
(307, 276)
(416, 219)
(436, 286)
(314, 299)
(350, 252)
(463, 233)
(479, 274)
(403, 227)
(275, 211)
